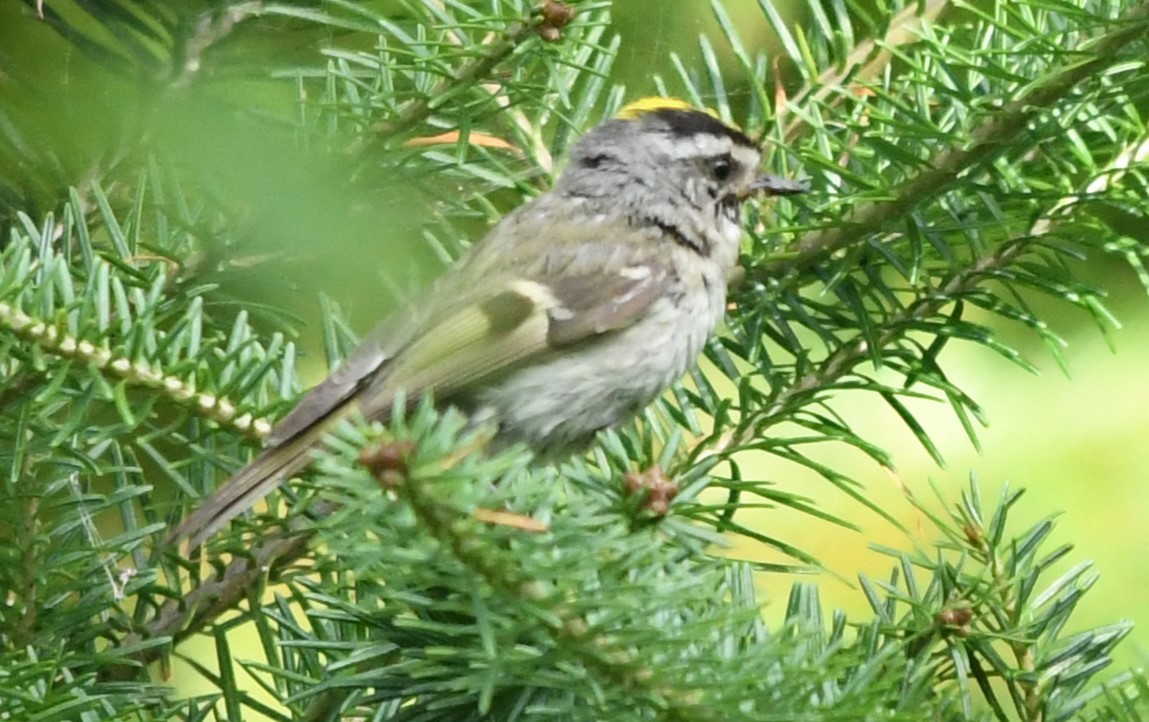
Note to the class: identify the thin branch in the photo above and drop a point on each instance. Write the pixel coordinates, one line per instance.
(210, 29)
(30, 570)
(49, 338)
(464, 536)
(181, 618)
(471, 72)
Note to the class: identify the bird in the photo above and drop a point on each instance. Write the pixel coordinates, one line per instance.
(575, 311)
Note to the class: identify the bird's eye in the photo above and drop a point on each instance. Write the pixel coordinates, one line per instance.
(721, 166)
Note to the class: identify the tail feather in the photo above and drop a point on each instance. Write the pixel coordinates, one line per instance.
(292, 440)
(271, 468)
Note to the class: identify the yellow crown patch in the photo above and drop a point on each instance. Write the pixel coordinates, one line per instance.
(686, 120)
(642, 106)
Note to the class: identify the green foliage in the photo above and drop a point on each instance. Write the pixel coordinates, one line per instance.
(112, 372)
(966, 162)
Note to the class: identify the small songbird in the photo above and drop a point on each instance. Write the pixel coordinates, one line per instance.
(575, 311)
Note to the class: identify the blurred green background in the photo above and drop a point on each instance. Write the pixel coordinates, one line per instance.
(1076, 444)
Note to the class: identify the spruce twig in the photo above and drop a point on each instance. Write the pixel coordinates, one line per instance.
(948, 169)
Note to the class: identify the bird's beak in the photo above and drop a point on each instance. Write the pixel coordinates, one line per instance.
(773, 185)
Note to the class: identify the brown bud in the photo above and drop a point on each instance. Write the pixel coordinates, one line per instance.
(555, 16)
(558, 14)
(387, 461)
(657, 490)
(974, 535)
(956, 620)
(955, 616)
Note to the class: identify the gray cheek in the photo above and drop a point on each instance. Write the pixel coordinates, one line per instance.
(698, 192)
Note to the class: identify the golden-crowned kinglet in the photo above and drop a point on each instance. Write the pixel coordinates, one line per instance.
(575, 312)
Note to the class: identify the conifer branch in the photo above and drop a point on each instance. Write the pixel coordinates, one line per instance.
(137, 373)
(209, 29)
(988, 139)
(474, 71)
(178, 619)
(842, 362)
(865, 61)
(464, 536)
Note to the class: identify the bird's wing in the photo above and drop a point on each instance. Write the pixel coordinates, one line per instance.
(522, 320)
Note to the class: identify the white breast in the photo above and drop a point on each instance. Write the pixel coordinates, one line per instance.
(559, 404)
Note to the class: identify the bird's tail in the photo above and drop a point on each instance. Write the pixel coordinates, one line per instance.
(272, 467)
